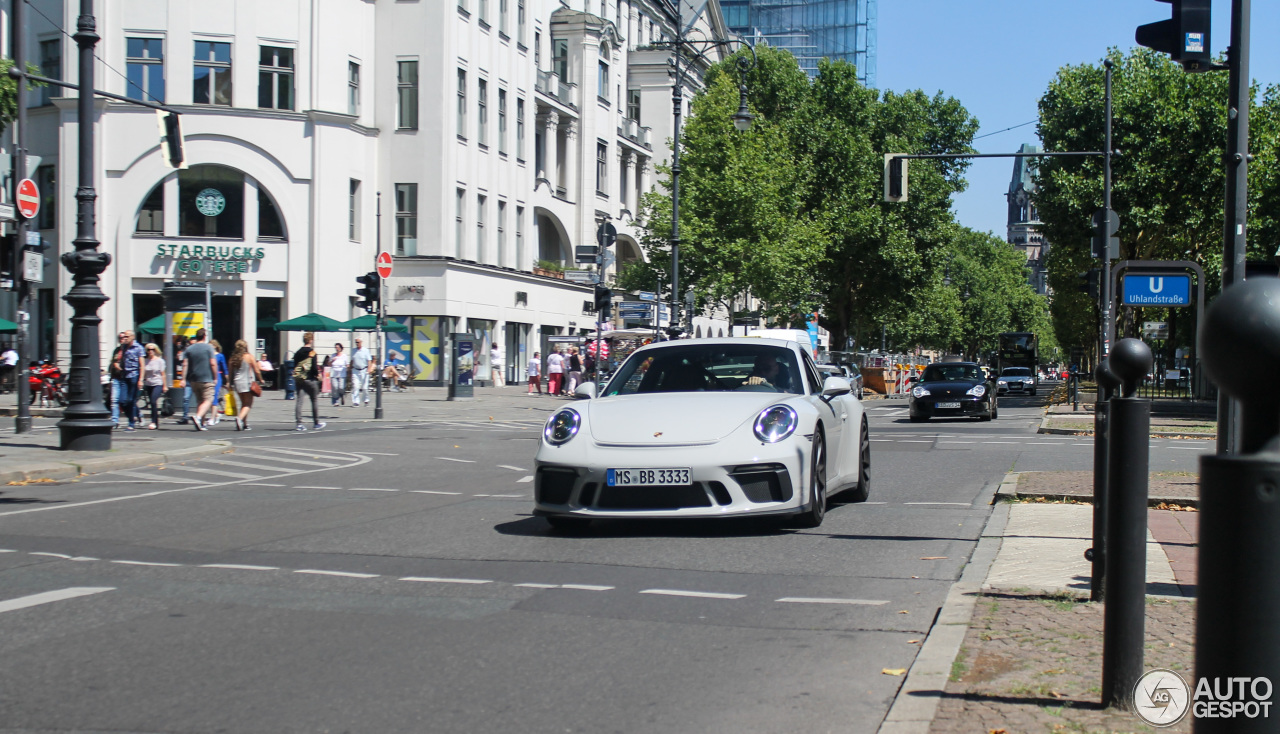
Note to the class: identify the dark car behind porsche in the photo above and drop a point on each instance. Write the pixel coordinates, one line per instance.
(952, 389)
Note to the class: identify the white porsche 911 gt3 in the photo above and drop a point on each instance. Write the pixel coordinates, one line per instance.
(705, 428)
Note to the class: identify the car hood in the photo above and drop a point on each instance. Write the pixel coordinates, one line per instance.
(672, 419)
(950, 387)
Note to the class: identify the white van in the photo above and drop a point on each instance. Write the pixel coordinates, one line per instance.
(800, 336)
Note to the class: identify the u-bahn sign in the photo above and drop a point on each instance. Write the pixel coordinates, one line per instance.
(1157, 289)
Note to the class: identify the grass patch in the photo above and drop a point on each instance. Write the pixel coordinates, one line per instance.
(959, 666)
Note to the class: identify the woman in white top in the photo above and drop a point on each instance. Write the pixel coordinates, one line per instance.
(338, 375)
(153, 382)
(244, 373)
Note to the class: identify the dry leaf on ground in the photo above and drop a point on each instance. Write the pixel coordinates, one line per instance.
(893, 671)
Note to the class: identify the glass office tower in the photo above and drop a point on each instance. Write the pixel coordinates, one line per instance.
(811, 30)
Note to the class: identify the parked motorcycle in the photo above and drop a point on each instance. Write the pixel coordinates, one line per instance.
(47, 385)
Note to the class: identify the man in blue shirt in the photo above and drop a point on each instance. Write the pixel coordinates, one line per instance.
(126, 379)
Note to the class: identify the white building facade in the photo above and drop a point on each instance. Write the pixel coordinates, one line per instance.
(480, 141)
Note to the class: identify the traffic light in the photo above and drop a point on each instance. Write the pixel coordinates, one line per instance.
(171, 137)
(1185, 36)
(1106, 245)
(895, 178)
(604, 301)
(370, 292)
(1090, 282)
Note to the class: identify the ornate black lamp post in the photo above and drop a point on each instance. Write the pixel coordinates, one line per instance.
(695, 50)
(86, 425)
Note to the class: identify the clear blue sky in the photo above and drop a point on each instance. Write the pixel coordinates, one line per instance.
(997, 57)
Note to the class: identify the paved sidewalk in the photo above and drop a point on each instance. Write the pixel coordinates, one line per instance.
(1017, 647)
(35, 456)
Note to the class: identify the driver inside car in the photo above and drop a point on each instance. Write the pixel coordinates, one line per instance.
(764, 372)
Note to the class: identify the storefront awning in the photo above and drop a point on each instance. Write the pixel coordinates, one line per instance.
(311, 322)
(7, 326)
(369, 322)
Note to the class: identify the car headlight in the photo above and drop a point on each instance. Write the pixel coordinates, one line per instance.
(977, 391)
(775, 423)
(920, 392)
(1002, 382)
(562, 427)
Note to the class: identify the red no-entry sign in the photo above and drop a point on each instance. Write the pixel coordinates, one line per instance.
(384, 264)
(28, 198)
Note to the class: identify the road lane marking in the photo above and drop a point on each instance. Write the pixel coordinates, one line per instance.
(525, 479)
(442, 580)
(148, 563)
(955, 442)
(505, 495)
(213, 472)
(698, 594)
(460, 461)
(150, 477)
(23, 602)
(243, 465)
(379, 453)
(431, 491)
(962, 504)
(239, 567)
(819, 600)
(371, 489)
(586, 587)
(347, 574)
(1013, 442)
(910, 441)
(263, 484)
(512, 468)
(52, 555)
(298, 461)
(310, 486)
(538, 586)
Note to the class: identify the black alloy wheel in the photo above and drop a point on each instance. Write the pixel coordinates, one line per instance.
(862, 490)
(817, 511)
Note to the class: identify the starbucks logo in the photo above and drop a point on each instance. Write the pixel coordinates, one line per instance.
(210, 202)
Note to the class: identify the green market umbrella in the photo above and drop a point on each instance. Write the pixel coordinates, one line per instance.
(7, 326)
(153, 326)
(369, 322)
(311, 322)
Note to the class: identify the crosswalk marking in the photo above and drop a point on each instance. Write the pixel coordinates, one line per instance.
(156, 477)
(23, 602)
(213, 472)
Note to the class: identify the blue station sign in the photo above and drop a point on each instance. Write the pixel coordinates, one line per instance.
(1172, 289)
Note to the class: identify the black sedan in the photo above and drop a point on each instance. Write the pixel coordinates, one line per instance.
(952, 389)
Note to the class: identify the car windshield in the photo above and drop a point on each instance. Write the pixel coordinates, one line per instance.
(710, 368)
(1016, 372)
(951, 372)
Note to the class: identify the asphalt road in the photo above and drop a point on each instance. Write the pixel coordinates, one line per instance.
(390, 578)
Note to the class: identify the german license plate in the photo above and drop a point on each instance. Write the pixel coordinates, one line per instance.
(948, 405)
(647, 477)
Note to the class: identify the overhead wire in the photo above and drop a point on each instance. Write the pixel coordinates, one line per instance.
(102, 61)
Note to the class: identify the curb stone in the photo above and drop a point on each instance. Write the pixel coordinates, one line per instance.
(916, 704)
(1009, 492)
(1044, 428)
(111, 462)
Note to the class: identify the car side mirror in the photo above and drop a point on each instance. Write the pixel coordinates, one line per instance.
(833, 386)
(585, 391)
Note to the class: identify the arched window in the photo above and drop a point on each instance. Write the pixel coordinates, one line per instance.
(151, 215)
(211, 202)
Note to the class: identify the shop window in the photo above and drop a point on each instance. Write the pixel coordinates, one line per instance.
(211, 202)
(270, 224)
(151, 216)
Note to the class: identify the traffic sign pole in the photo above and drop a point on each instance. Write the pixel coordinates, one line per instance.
(382, 313)
(24, 194)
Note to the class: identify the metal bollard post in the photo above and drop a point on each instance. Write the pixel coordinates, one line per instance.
(1239, 555)
(1075, 392)
(1097, 555)
(1129, 438)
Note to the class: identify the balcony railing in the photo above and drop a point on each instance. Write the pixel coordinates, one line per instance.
(550, 84)
(635, 132)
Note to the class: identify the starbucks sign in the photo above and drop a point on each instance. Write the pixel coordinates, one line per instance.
(210, 202)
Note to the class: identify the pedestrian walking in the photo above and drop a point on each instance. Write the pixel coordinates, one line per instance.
(495, 361)
(361, 367)
(179, 349)
(200, 370)
(8, 368)
(153, 382)
(306, 377)
(339, 363)
(326, 384)
(555, 372)
(220, 381)
(246, 379)
(575, 370)
(535, 372)
(126, 379)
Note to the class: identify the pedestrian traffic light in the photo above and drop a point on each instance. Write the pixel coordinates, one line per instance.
(369, 292)
(604, 302)
(1185, 36)
(1090, 282)
(895, 177)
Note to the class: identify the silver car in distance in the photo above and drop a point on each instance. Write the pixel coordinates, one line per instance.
(705, 428)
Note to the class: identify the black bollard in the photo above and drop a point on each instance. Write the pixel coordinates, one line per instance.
(1097, 555)
(1237, 634)
(1128, 441)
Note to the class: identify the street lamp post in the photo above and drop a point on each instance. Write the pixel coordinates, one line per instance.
(742, 120)
(86, 425)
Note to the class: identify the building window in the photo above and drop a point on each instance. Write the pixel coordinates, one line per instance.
(482, 11)
(212, 73)
(482, 109)
(602, 87)
(502, 17)
(602, 167)
(270, 225)
(46, 182)
(275, 78)
(144, 69)
(622, 182)
(481, 200)
(502, 121)
(406, 219)
(150, 216)
(633, 104)
(462, 5)
(520, 21)
(560, 58)
(519, 236)
(407, 92)
(537, 50)
(353, 212)
(462, 104)
(51, 66)
(502, 233)
(459, 222)
(519, 129)
(211, 202)
(353, 88)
